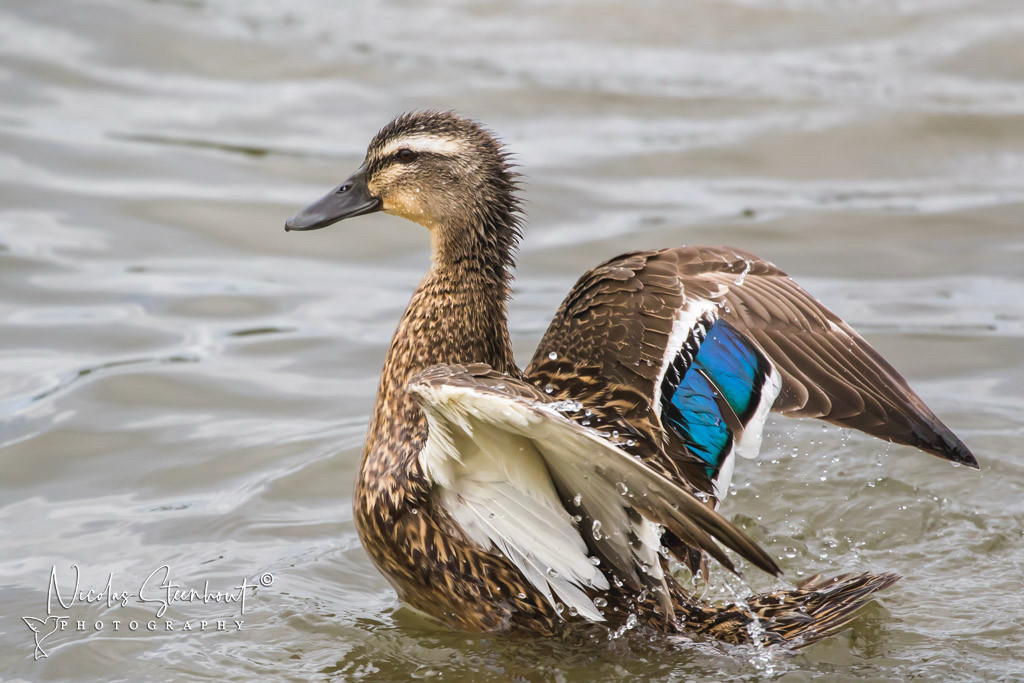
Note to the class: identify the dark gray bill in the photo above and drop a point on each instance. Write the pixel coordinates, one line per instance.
(349, 199)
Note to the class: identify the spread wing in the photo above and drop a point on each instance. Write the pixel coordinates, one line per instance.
(689, 345)
(517, 475)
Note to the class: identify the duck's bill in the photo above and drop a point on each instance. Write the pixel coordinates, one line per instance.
(351, 198)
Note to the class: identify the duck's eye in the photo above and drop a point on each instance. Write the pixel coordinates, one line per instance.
(405, 155)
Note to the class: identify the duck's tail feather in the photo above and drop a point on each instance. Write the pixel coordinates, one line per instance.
(817, 608)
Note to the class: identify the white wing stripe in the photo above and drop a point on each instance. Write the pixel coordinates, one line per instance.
(682, 329)
(749, 444)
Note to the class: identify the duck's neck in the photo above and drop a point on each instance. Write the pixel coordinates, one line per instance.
(457, 315)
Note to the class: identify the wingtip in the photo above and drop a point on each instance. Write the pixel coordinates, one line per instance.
(765, 563)
(939, 440)
(956, 451)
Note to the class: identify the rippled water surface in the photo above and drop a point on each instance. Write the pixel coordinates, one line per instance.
(184, 384)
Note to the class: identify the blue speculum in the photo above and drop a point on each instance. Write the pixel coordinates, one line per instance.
(726, 376)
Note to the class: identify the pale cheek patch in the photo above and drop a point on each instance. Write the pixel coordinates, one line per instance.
(400, 196)
(382, 179)
(406, 205)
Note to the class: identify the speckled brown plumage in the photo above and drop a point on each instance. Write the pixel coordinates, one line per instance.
(617, 318)
(605, 349)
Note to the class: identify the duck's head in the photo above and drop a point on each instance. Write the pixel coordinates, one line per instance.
(435, 168)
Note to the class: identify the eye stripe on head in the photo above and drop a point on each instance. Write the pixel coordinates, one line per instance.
(420, 144)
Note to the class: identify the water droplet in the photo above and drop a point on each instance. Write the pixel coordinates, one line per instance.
(600, 602)
(415, 511)
(596, 529)
(522, 596)
(552, 573)
(566, 406)
(595, 561)
(548, 388)
(577, 500)
(623, 489)
(746, 269)
(553, 356)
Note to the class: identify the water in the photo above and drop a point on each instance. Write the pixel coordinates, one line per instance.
(184, 384)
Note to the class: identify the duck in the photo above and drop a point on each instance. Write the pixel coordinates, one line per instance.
(573, 492)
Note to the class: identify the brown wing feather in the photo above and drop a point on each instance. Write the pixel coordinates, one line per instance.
(605, 348)
(609, 338)
(829, 371)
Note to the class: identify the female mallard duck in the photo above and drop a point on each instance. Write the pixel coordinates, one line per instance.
(496, 499)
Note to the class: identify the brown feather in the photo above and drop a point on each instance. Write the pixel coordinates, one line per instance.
(828, 370)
